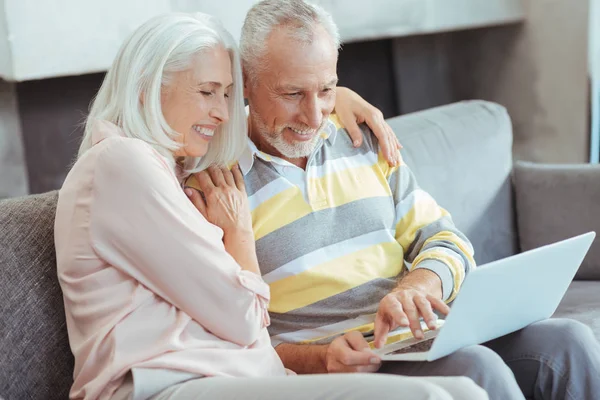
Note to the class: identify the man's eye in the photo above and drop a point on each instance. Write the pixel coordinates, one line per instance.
(295, 94)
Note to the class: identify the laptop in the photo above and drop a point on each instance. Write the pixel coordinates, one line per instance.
(499, 298)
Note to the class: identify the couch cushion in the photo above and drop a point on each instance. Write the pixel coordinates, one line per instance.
(555, 202)
(582, 303)
(462, 155)
(35, 358)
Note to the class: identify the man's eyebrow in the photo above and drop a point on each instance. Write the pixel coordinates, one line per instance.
(332, 82)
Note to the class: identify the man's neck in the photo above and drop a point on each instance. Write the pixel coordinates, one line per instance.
(265, 147)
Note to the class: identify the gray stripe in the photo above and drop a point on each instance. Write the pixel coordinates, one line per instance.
(353, 303)
(324, 228)
(402, 183)
(261, 174)
(343, 147)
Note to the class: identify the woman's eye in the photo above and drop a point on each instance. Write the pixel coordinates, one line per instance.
(226, 95)
(205, 93)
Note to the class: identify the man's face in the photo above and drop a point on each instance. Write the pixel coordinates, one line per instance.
(293, 94)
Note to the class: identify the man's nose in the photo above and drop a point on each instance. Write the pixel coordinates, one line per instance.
(220, 110)
(313, 112)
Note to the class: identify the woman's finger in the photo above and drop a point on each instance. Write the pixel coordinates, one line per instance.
(204, 181)
(354, 131)
(238, 177)
(216, 175)
(196, 199)
(228, 176)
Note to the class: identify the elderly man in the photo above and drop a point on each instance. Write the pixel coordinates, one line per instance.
(351, 246)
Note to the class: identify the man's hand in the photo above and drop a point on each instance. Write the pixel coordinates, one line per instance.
(407, 303)
(351, 353)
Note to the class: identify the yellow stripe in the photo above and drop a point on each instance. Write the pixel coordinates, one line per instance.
(346, 186)
(420, 215)
(383, 260)
(280, 210)
(336, 121)
(456, 267)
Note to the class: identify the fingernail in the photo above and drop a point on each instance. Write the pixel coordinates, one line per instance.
(431, 324)
(418, 333)
(374, 360)
(403, 321)
(188, 192)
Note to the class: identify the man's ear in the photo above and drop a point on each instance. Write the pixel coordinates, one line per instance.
(246, 83)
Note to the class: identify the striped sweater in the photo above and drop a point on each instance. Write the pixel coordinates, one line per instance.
(334, 239)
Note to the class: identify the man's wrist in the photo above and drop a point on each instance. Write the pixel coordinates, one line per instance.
(423, 280)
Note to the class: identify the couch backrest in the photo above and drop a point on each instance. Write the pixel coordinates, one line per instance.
(35, 358)
(462, 155)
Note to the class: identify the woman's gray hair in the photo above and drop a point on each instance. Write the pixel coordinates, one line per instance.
(303, 17)
(130, 96)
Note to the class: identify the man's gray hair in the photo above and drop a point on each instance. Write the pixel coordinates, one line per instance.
(303, 17)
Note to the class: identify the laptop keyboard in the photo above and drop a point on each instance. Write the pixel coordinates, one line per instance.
(420, 347)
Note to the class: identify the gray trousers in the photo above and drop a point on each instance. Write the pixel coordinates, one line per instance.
(326, 387)
(554, 359)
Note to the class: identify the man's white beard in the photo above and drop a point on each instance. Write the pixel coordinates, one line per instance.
(276, 140)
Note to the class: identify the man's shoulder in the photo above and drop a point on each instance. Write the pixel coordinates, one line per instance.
(343, 141)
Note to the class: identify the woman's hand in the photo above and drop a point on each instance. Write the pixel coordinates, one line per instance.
(224, 201)
(353, 110)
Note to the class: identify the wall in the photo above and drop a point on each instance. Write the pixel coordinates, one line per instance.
(539, 71)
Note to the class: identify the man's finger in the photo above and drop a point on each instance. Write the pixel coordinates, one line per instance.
(438, 304)
(382, 328)
(351, 357)
(357, 341)
(424, 307)
(239, 178)
(413, 317)
(196, 199)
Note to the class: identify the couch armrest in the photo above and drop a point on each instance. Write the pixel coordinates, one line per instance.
(555, 202)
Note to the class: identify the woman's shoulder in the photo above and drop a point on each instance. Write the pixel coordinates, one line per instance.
(130, 157)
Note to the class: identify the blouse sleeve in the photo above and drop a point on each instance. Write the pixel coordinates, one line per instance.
(143, 224)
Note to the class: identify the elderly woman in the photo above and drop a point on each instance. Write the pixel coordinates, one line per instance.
(160, 299)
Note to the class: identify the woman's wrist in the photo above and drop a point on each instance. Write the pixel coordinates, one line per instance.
(239, 243)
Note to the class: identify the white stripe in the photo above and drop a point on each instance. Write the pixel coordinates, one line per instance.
(329, 253)
(322, 331)
(344, 163)
(268, 191)
(404, 207)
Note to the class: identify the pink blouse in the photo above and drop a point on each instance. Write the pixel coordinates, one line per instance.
(146, 280)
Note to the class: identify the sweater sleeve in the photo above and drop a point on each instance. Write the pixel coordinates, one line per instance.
(143, 224)
(427, 233)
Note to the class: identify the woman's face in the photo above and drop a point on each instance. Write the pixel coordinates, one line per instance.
(196, 101)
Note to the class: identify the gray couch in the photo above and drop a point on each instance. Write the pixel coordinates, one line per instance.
(460, 153)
